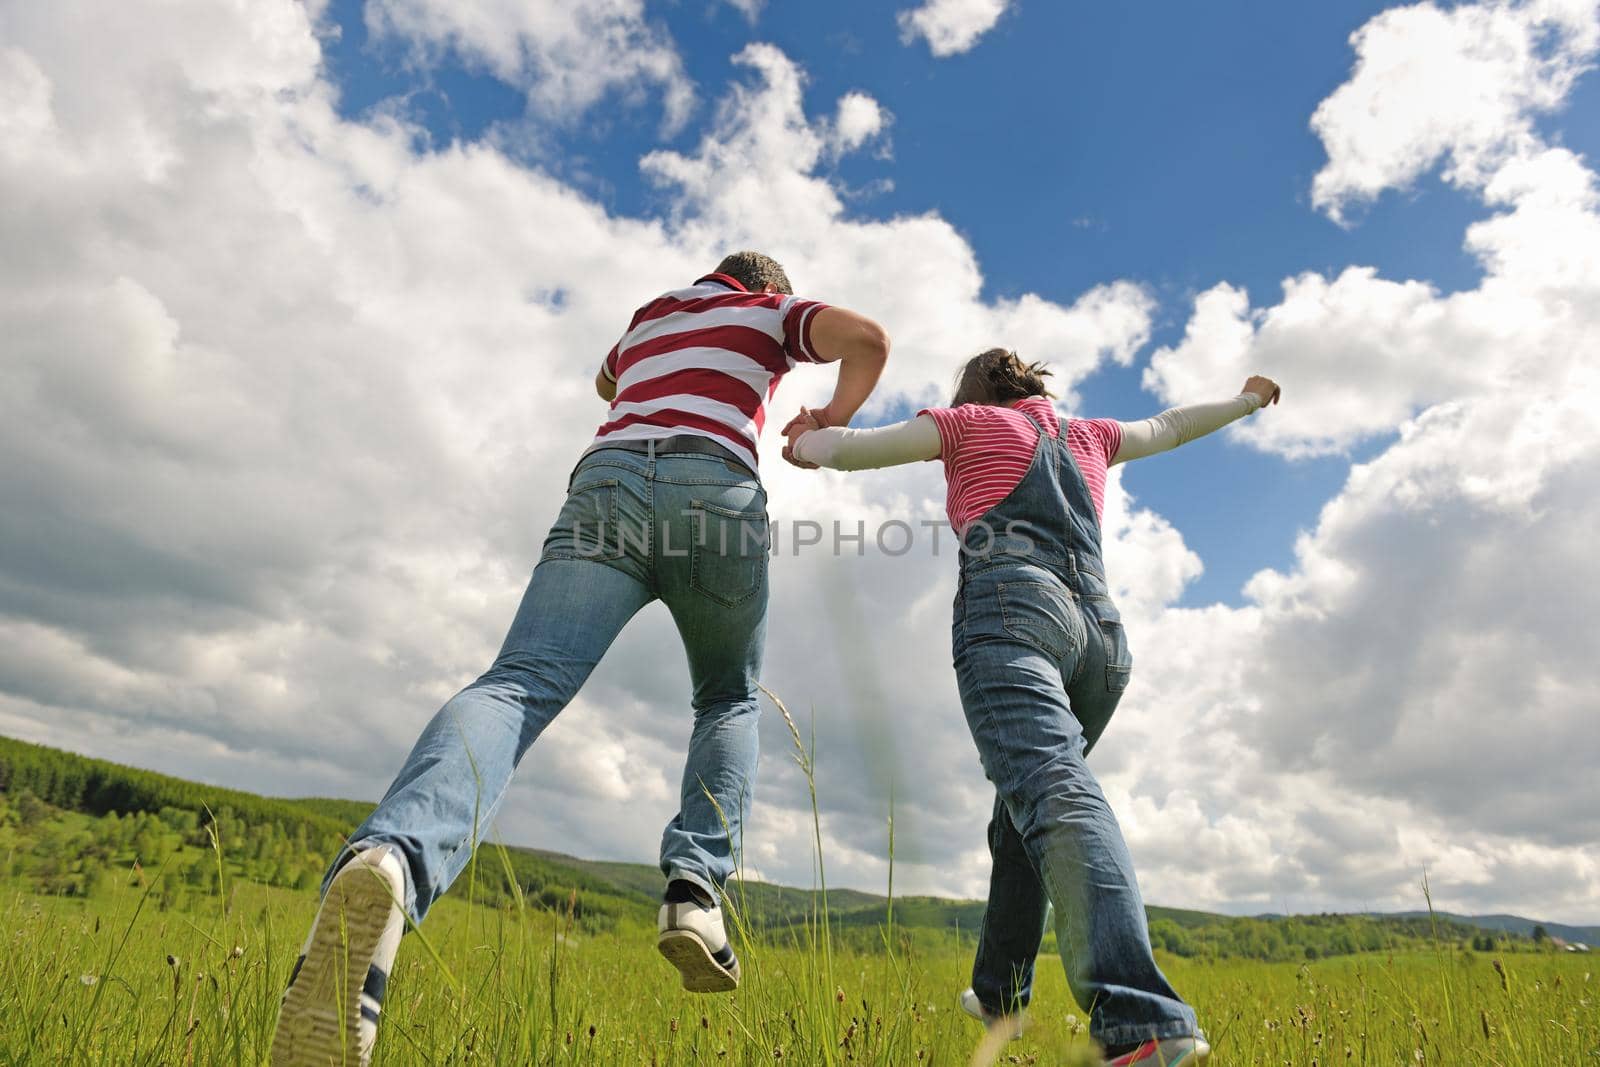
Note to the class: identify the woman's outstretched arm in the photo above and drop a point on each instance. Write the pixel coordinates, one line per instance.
(844, 449)
(1180, 425)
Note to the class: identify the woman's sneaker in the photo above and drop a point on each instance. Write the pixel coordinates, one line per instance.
(691, 936)
(1013, 1025)
(1168, 1052)
(330, 1010)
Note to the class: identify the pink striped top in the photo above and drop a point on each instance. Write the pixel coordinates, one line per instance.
(704, 361)
(987, 449)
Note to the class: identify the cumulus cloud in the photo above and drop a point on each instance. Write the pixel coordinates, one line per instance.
(950, 26)
(291, 403)
(859, 119)
(567, 56)
(751, 181)
(1422, 660)
(1463, 85)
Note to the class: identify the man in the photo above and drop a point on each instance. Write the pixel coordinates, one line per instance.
(664, 504)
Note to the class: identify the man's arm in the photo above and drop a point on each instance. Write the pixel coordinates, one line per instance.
(605, 383)
(861, 348)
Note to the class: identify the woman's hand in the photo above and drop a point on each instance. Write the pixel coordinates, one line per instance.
(801, 423)
(1265, 389)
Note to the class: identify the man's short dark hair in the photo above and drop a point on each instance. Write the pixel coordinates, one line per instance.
(755, 271)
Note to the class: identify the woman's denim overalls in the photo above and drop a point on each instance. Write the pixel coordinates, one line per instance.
(1041, 662)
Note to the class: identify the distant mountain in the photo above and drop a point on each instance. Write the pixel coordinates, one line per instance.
(1515, 925)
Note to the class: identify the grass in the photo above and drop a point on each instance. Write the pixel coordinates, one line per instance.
(114, 982)
(114, 979)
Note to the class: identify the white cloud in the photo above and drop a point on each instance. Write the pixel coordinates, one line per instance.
(859, 119)
(750, 9)
(1463, 85)
(751, 181)
(568, 56)
(1421, 670)
(290, 404)
(950, 26)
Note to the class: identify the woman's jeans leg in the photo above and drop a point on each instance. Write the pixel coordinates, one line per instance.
(447, 793)
(1014, 920)
(1016, 641)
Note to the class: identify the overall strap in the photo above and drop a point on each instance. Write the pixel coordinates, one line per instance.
(1069, 469)
(1047, 443)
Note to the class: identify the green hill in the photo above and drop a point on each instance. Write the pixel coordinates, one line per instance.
(68, 822)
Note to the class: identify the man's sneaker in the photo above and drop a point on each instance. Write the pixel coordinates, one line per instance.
(1013, 1025)
(1168, 1052)
(691, 937)
(330, 1010)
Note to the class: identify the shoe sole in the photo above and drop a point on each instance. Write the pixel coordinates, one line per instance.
(319, 1024)
(701, 973)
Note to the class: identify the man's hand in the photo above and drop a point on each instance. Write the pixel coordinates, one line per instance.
(1265, 389)
(801, 423)
(807, 419)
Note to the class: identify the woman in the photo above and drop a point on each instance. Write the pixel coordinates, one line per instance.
(1041, 662)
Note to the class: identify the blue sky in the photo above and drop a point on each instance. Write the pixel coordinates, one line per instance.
(293, 406)
(1077, 144)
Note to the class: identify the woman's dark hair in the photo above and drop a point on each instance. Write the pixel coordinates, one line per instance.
(999, 377)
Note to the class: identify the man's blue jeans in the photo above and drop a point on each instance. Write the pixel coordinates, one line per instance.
(690, 530)
(1040, 672)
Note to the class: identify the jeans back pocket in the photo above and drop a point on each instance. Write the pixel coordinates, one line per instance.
(728, 557)
(587, 526)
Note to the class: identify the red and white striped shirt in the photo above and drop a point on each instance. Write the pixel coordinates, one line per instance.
(704, 361)
(987, 449)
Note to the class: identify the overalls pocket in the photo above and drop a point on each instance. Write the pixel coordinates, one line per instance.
(1119, 661)
(1042, 614)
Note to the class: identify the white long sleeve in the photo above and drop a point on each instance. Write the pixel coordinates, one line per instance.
(1180, 425)
(844, 449)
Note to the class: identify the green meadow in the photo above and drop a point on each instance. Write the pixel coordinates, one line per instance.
(146, 920)
(116, 980)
